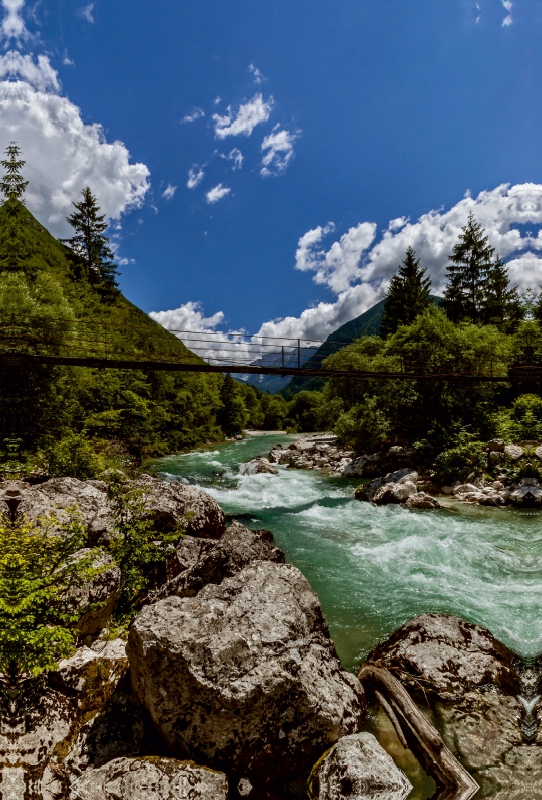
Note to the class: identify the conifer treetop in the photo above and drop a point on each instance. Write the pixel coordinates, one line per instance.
(13, 184)
(408, 295)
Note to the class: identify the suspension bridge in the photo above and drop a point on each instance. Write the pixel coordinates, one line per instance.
(64, 342)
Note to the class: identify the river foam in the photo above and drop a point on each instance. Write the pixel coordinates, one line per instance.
(373, 567)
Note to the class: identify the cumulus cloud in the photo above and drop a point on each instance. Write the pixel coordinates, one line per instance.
(195, 176)
(88, 12)
(358, 266)
(63, 154)
(249, 114)
(258, 76)
(280, 149)
(169, 192)
(193, 115)
(339, 267)
(188, 317)
(199, 333)
(217, 193)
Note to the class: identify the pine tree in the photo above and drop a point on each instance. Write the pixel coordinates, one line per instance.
(13, 185)
(95, 257)
(502, 305)
(13, 250)
(468, 273)
(407, 296)
(232, 416)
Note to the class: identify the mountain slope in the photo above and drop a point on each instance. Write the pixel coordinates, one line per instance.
(367, 324)
(137, 412)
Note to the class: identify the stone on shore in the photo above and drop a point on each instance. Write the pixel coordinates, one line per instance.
(514, 452)
(528, 494)
(448, 657)
(360, 466)
(422, 500)
(394, 493)
(497, 445)
(358, 768)
(244, 676)
(401, 476)
(172, 501)
(143, 778)
(258, 466)
(101, 590)
(200, 562)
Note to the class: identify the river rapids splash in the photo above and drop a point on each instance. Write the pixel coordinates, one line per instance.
(374, 568)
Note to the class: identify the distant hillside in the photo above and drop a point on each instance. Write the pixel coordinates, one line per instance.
(139, 412)
(367, 324)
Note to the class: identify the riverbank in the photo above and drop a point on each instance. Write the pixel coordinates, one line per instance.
(374, 568)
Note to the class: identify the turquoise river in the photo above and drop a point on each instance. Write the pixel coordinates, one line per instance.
(374, 568)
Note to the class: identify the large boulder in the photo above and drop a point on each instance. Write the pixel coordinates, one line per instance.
(362, 466)
(149, 777)
(447, 656)
(527, 494)
(394, 493)
(60, 494)
(258, 466)
(357, 768)
(400, 476)
(98, 594)
(422, 500)
(244, 676)
(514, 452)
(211, 562)
(171, 501)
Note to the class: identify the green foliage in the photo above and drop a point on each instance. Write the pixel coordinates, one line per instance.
(305, 411)
(135, 547)
(478, 287)
(232, 415)
(467, 456)
(94, 258)
(275, 409)
(471, 261)
(420, 410)
(407, 296)
(523, 421)
(39, 571)
(13, 185)
(74, 455)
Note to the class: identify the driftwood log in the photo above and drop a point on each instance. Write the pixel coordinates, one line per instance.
(412, 729)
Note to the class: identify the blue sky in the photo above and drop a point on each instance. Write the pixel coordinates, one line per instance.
(367, 112)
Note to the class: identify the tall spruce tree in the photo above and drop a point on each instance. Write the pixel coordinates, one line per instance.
(232, 415)
(468, 273)
(407, 296)
(502, 304)
(95, 259)
(13, 250)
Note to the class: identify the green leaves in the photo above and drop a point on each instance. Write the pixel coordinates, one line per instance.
(38, 573)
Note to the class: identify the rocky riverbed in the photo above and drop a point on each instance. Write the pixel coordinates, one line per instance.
(230, 686)
(512, 475)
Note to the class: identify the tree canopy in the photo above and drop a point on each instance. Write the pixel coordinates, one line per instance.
(408, 295)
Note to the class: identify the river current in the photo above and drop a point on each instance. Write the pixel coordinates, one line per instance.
(374, 568)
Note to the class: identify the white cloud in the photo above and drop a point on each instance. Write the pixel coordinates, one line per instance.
(39, 73)
(87, 12)
(217, 100)
(63, 154)
(195, 177)
(258, 76)
(339, 267)
(67, 61)
(237, 157)
(13, 24)
(217, 193)
(508, 19)
(169, 191)
(193, 115)
(507, 4)
(250, 114)
(188, 317)
(280, 147)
